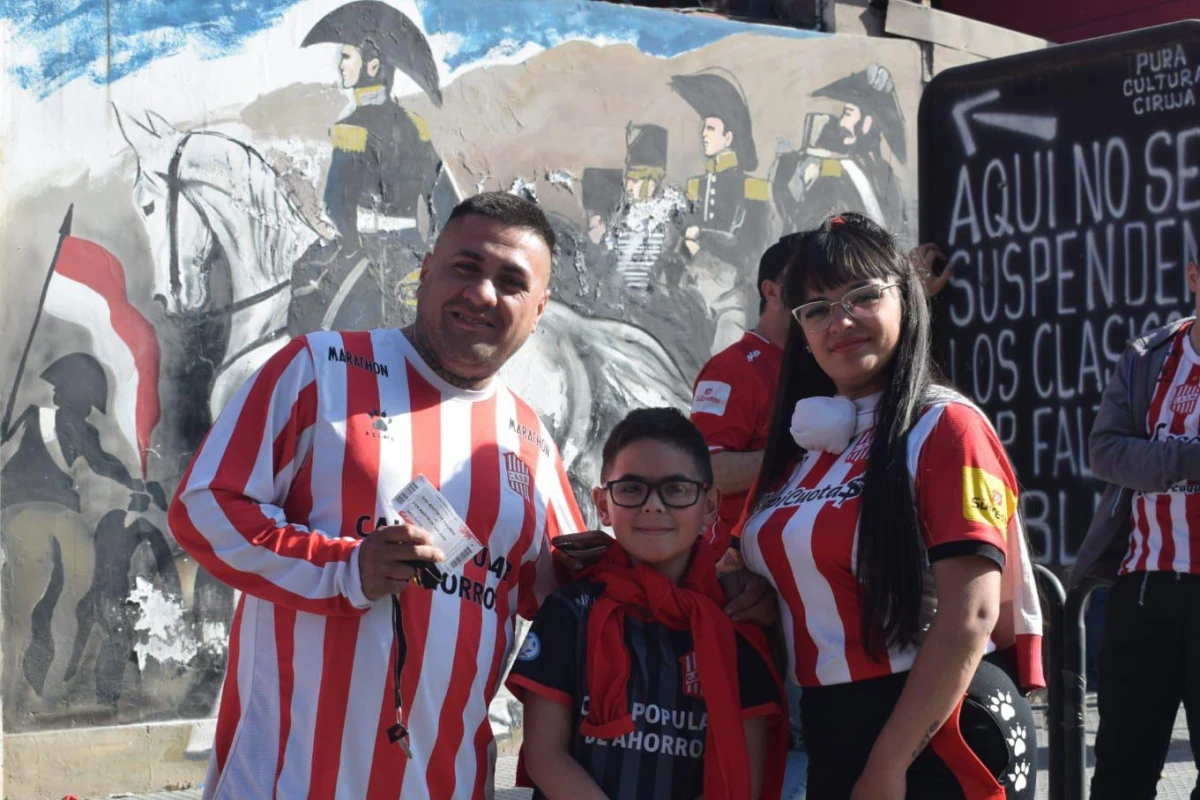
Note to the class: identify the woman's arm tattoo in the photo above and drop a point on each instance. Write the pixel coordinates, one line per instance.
(926, 739)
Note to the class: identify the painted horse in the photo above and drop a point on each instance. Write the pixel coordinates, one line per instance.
(206, 198)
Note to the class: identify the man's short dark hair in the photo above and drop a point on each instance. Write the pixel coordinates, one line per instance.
(507, 209)
(771, 265)
(664, 425)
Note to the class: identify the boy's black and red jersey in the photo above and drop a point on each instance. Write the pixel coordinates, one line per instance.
(664, 755)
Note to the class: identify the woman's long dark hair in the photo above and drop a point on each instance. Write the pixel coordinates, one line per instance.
(890, 563)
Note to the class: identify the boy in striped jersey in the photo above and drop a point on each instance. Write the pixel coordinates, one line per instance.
(636, 684)
(1146, 534)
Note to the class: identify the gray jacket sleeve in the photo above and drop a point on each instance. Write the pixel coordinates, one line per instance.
(1120, 451)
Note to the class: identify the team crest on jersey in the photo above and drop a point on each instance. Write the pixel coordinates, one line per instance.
(691, 674)
(862, 448)
(518, 475)
(1185, 397)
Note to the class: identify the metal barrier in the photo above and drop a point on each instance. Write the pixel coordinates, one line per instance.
(1074, 680)
(1054, 601)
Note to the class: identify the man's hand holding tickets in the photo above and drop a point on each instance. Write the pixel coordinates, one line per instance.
(386, 556)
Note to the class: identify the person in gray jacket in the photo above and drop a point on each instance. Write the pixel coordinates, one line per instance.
(1145, 536)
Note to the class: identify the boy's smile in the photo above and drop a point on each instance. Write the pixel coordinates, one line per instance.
(654, 533)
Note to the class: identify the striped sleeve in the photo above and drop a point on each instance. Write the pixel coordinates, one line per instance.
(229, 513)
(966, 490)
(561, 515)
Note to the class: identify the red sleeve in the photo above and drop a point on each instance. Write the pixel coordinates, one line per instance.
(735, 535)
(966, 490)
(726, 402)
(229, 509)
(748, 506)
(541, 575)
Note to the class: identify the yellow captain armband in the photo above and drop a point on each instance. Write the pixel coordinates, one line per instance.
(352, 138)
(422, 125)
(757, 189)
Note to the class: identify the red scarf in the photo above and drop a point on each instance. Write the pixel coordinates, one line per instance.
(695, 605)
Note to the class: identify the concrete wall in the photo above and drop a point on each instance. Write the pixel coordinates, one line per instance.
(172, 167)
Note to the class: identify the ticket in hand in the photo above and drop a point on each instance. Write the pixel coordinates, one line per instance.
(422, 505)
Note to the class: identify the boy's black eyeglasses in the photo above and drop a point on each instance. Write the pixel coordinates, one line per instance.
(674, 492)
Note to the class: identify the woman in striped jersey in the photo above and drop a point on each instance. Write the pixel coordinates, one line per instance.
(885, 516)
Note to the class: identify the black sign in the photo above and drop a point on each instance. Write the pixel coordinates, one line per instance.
(1064, 185)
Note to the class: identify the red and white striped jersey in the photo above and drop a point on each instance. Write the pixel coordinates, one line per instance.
(803, 536)
(304, 461)
(1165, 534)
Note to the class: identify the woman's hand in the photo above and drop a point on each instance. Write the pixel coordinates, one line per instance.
(925, 258)
(878, 784)
(751, 598)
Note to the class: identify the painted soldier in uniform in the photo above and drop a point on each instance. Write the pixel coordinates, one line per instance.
(842, 167)
(727, 228)
(603, 195)
(41, 472)
(382, 189)
(638, 230)
(53, 440)
(633, 222)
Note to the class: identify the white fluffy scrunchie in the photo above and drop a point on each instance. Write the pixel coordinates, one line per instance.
(829, 423)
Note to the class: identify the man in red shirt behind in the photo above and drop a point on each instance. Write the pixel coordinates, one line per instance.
(735, 392)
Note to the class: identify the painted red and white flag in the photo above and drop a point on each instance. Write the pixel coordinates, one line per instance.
(87, 287)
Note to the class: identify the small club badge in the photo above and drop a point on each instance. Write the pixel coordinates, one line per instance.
(1185, 397)
(518, 475)
(691, 674)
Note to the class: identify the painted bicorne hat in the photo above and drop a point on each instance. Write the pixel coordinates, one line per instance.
(716, 93)
(397, 38)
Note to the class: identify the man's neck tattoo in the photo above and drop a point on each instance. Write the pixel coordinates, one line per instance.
(421, 345)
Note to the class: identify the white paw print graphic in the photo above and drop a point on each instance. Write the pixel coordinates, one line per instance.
(1016, 740)
(1001, 703)
(1020, 778)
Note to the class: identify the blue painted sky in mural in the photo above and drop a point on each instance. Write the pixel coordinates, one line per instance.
(484, 26)
(68, 39)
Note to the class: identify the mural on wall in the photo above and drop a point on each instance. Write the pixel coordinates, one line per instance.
(265, 172)
(842, 164)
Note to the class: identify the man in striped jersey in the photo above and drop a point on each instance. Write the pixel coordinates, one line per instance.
(303, 464)
(1146, 444)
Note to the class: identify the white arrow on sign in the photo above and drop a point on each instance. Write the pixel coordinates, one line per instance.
(1039, 127)
(1044, 128)
(959, 112)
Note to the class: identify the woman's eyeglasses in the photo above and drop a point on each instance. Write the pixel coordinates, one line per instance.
(674, 492)
(862, 302)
